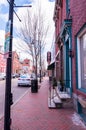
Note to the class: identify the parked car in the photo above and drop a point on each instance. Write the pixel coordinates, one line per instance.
(17, 75)
(33, 76)
(2, 76)
(24, 80)
(13, 76)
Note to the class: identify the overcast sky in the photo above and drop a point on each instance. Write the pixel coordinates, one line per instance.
(47, 8)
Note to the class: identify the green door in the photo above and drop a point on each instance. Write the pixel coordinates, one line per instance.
(67, 65)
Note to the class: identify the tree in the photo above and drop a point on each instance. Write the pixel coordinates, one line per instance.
(34, 32)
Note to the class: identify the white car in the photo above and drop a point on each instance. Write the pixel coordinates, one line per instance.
(33, 76)
(24, 80)
(2, 76)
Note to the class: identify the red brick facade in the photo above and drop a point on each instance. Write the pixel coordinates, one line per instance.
(78, 13)
(15, 63)
(26, 66)
(17, 66)
(70, 28)
(2, 63)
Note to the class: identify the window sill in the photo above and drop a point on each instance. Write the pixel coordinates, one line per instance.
(82, 101)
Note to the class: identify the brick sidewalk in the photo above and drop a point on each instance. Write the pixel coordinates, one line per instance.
(32, 113)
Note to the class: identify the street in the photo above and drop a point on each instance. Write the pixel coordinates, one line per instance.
(18, 92)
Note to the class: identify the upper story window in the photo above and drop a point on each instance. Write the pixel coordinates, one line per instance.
(81, 59)
(67, 7)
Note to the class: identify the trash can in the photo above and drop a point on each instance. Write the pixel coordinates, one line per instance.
(50, 78)
(34, 85)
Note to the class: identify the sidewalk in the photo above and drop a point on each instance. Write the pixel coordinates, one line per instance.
(31, 112)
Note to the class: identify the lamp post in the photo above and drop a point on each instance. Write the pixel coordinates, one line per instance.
(8, 94)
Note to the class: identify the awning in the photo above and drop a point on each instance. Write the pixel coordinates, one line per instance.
(51, 66)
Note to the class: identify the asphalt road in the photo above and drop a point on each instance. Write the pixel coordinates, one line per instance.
(18, 92)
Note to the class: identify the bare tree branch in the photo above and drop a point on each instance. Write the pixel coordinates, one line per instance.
(34, 32)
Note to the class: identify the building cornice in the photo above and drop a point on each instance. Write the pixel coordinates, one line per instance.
(58, 5)
(67, 23)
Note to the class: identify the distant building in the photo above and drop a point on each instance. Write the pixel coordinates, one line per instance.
(18, 66)
(15, 63)
(27, 66)
(2, 64)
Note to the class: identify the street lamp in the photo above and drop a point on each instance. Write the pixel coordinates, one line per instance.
(8, 94)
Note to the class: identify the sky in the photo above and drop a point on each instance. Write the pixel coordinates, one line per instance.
(48, 10)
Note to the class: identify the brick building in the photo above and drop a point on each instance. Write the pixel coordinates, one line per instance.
(2, 63)
(78, 13)
(16, 64)
(26, 66)
(70, 55)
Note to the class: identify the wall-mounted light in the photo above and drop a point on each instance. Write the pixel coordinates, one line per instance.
(71, 53)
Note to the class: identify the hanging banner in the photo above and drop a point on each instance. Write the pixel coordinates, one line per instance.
(7, 39)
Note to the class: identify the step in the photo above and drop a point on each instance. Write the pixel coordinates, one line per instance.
(58, 102)
(66, 99)
(63, 95)
(51, 104)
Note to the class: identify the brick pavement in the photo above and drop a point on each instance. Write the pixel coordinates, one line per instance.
(31, 112)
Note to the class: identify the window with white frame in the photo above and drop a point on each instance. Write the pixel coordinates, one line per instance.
(81, 60)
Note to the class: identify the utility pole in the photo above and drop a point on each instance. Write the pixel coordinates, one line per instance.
(8, 94)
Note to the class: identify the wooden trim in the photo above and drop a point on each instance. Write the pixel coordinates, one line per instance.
(82, 101)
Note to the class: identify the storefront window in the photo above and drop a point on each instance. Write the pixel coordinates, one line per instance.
(82, 60)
